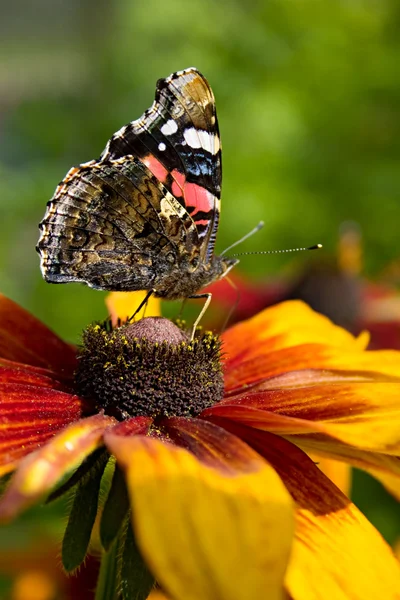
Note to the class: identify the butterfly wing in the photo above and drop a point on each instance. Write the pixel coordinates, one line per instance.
(148, 205)
(114, 226)
(178, 139)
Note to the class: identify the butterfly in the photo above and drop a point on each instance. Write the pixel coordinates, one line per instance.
(144, 216)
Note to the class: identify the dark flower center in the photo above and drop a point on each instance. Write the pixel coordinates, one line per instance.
(149, 368)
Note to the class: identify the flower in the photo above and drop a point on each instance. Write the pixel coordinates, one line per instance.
(331, 286)
(229, 489)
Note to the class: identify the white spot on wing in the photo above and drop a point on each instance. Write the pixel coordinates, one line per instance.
(169, 127)
(197, 138)
(120, 133)
(170, 207)
(166, 208)
(161, 146)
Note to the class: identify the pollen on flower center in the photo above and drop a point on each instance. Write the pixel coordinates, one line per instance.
(149, 368)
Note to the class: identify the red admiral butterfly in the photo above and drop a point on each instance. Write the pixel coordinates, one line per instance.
(145, 215)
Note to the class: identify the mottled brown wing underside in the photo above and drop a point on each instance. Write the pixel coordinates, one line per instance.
(114, 226)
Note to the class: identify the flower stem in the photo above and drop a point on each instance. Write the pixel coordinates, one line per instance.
(136, 580)
(107, 583)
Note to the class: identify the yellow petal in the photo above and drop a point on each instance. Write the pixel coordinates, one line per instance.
(203, 533)
(284, 325)
(41, 470)
(337, 554)
(122, 305)
(340, 555)
(338, 472)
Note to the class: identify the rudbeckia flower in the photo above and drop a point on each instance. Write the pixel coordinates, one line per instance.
(333, 286)
(208, 443)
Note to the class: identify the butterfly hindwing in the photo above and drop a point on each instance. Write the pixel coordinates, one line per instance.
(109, 224)
(178, 139)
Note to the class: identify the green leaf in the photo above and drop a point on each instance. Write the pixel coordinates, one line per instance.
(115, 509)
(82, 515)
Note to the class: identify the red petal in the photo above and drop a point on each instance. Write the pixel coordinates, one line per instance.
(41, 470)
(25, 368)
(27, 375)
(135, 426)
(29, 416)
(211, 444)
(23, 338)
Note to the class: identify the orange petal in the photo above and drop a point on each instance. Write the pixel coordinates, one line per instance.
(358, 423)
(25, 339)
(337, 553)
(259, 364)
(41, 470)
(363, 415)
(284, 325)
(31, 412)
(122, 305)
(247, 531)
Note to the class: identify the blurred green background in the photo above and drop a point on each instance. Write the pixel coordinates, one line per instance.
(308, 98)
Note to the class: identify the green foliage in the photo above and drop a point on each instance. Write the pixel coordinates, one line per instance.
(82, 516)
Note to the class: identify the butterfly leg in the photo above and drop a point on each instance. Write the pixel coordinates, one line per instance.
(203, 310)
(144, 301)
(182, 307)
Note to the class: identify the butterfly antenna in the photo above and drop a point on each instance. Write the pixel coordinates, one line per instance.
(252, 232)
(315, 247)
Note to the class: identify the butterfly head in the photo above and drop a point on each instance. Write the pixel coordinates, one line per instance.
(222, 265)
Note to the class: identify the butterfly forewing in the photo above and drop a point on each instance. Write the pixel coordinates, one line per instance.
(145, 215)
(178, 139)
